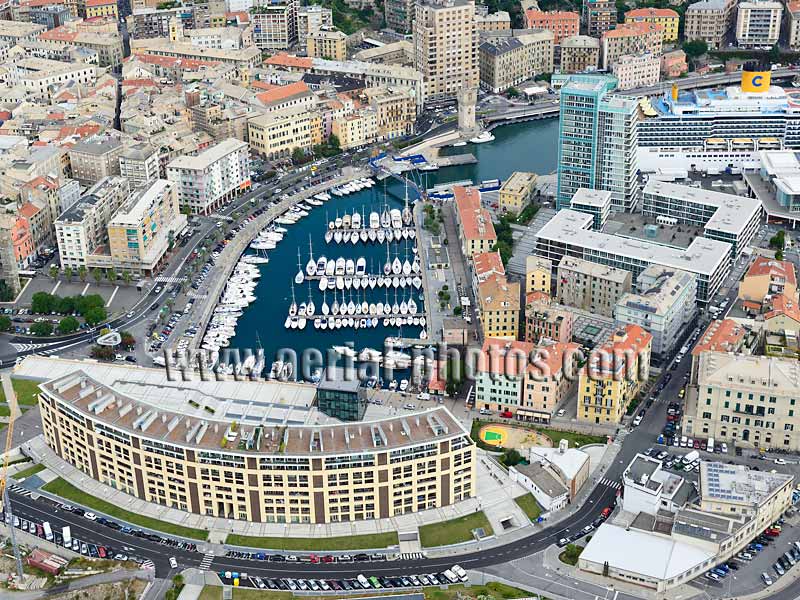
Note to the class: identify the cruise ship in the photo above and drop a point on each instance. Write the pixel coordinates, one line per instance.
(719, 128)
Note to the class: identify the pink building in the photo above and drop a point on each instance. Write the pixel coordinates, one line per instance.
(673, 64)
(545, 319)
(562, 23)
(544, 384)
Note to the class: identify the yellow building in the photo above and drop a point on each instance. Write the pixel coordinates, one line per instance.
(475, 229)
(538, 274)
(767, 278)
(357, 129)
(159, 450)
(499, 305)
(146, 226)
(278, 134)
(516, 191)
(328, 43)
(101, 8)
(665, 17)
(614, 375)
(396, 110)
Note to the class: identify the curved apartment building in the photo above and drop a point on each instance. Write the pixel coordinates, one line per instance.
(262, 472)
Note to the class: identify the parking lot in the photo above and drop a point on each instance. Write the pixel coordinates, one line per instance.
(744, 573)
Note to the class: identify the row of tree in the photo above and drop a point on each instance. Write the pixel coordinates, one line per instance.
(97, 274)
(90, 307)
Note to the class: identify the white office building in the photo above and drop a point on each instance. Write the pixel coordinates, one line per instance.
(569, 233)
(206, 181)
(724, 217)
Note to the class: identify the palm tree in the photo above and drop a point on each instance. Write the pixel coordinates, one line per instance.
(126, 277)
(97, 275)
(111, 275)
(54, 271)
(68, 273)
(82, 273)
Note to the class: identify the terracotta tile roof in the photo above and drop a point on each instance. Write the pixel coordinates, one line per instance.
(42, 181)
(641, 13)
(241, 16)
(774, 268)
(282, 59)
(35, 3)
(138, 82)
(100, 2)
(283, 92)
(550, 359)
(496, 294)
(476, 221)
(28, 209)
(632, 30)
(551, 15)
(538, 296)
(262, 85)
(59, 34)
(720, 336)
(610, 359)
(783, 305)
(487, 263)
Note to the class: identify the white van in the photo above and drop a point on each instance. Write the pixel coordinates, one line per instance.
(461, 573)
(691, 457)
(451, 577)
(710, 445)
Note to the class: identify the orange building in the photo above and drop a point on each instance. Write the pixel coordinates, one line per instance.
(101, 8)
(22, 241)
(562, 23)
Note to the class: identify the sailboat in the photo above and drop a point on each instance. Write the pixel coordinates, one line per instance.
(387, 267)
(310, 306)
(298, 279)
(335, 307)
(293, 305)
(325, 308)
(311, 265)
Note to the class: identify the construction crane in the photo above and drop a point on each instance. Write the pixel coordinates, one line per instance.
(11, 397)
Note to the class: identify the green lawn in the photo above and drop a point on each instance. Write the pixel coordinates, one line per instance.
(29, 471)
(352, 542)
(454, 531)
(529, 505)
(5, 410)
(571, 554)
(492, 589)
(27, 391)
(575, 439)
(66, 490)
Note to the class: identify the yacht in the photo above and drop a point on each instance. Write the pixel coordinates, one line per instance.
(374, 220)
(482, 138)
(356, 220)
(361, 266)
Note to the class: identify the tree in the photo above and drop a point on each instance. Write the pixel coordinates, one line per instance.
(68, 325)
(511, 457)
(54, 271)
(126, 277)
(42, 303)
(457, 311)
(298, 156)
(97, 275)
(42, 328)
(102, 352)
(6, 293)
(82, 273)
(512, 92)
(127, 340)
(65, 305)
(5, 323)
(775, 54)
(695, 48)
(95, 315)
(68, 273)
(111, 275)
(779, 255)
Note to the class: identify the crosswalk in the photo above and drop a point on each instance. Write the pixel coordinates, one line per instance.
(205, 564)
(18, 489)
(165, 279)
(148, 565)
(412, 556)
(26, 347)
(610, 483)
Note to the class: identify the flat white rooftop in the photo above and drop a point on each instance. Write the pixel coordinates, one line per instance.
(703, 256)
(733, 212)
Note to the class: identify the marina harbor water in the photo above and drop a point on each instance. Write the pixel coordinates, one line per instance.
(372, 279)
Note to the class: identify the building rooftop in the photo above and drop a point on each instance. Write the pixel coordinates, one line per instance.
(641, 13)
(95, 194)
(140, 151)
(703, 256)
(98, 145)
(738, 484)
(19, 28)
(720, 336)
(611, 359)
(634, 29)
(635, 551)
(140, 204)
(581, 41)
(659, 297)
(475, 220)
(497, 294)
(759, 374)
(486, 264)
(590, 197)
(209, 156)
(775, 269)
(542, 479)
(594, 270)
(285, 92)
(733, 212)
(568, 462)
(707, 5)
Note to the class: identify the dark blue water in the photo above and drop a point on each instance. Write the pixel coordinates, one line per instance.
(524, 147)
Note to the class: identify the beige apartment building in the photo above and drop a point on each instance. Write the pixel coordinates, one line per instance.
(750, 401)
(508, 58)
(144, 228)
(395, 109)
(495, 21)
(591, 286)
(275, 25)
(446, 46)
(634, 71)
(538, 274)
(631, 38)
(81, 229)
(139, 164)
(599, 16)
(277, 134)
(475, 227)
(357, 129)
(309, 19)
(516, 191)
(793, 24)
(579, 53)
(185, 458)
(710, 21)
(327, 42)
(95, 158)
(758, 23)
(499, 308)
(107, 44)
